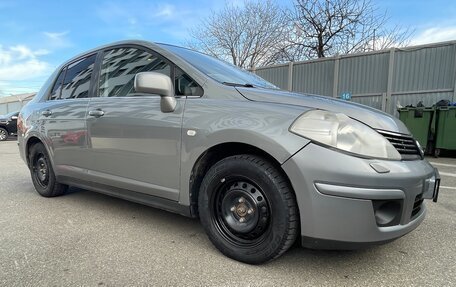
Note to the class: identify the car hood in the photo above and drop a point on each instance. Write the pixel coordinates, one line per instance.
(372, 117)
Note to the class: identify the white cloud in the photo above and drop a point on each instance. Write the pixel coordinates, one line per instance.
(23, 52)
(138, 21)
(8, 89)
(55, 35)
(19, 65)
(111, 12)
(23, 70)
(57, 39)
(132, 21)
(435, 34)
(123, 13)
(236, 3)
(165, 10)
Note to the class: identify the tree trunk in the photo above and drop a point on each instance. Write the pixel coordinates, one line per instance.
(320, 47)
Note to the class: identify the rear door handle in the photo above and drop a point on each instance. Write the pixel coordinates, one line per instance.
(96, 113)
(46, 113)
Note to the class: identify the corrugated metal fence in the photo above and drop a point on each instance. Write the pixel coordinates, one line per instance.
(14, 103)
(379, 79)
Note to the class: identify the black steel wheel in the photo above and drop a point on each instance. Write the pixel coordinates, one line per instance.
(40, 170)
(241, 212)
(248, 209)
(43, 176)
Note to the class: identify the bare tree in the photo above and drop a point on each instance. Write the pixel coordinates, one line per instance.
(329, 27)
(248, 36)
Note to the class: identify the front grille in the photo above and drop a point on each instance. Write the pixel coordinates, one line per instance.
(417, 205)
(404, 144)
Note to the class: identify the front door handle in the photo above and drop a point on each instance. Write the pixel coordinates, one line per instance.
(96, 113)
(46, 113)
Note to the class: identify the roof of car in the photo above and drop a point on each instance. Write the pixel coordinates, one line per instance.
(118, 43)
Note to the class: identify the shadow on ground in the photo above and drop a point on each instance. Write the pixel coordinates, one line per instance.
(145, 216)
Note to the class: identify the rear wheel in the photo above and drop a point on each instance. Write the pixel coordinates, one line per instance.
(3, 134)
(248, 209)
(43, 176)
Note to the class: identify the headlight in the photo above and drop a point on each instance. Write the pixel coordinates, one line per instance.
(341, 132)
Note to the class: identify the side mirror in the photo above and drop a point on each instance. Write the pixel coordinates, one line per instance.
(158, 84)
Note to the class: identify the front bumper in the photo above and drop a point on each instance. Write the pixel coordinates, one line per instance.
(340, 197)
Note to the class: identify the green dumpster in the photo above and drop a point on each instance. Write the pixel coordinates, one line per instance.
(446, 129)
(420, 122)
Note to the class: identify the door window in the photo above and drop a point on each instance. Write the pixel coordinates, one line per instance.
(120, 66)
(77, 79)
(184, 85)
(55, 93)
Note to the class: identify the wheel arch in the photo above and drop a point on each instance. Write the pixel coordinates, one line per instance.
(216, 153)
(31, 141)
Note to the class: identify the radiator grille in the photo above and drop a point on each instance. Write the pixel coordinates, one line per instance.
(404, 144)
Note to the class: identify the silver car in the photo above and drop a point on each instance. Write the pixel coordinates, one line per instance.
(179, 130)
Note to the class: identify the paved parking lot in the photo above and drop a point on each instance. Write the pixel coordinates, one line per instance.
(85, 238)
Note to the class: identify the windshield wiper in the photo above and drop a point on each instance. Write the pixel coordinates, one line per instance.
(238, 85)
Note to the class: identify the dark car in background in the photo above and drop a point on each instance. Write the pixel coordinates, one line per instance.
(8, 125)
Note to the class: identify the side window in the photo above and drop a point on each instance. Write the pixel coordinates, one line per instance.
(55, 93)
(184, 85)
(120, 66)
(77, 79)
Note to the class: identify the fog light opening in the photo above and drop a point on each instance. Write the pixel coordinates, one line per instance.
(387, 212)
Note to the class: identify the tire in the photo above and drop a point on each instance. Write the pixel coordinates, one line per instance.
(43, 176)
(3, 134)
(248, 209)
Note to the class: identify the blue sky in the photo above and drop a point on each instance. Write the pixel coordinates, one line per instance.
(36, 36)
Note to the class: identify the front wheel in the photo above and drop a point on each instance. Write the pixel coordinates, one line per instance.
(43, 176)
(248, 209)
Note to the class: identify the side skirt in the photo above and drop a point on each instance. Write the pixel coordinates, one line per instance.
(149, 200)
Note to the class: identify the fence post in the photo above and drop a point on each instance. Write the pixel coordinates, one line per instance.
(389, 88)
(384, 101)
(336, 76)
(454, 86)
(290, 76)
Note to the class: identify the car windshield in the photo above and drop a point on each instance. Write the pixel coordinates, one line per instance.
(219, 70)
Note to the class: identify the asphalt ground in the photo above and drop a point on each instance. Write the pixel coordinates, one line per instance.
(89, 239)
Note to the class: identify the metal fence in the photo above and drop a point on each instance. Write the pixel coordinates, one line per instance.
(14, 103)
(380, 79)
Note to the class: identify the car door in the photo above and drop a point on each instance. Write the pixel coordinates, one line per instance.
(13, 123)
(131, 143)
(63, 116)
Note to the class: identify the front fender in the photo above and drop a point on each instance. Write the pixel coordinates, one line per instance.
(208, 123)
